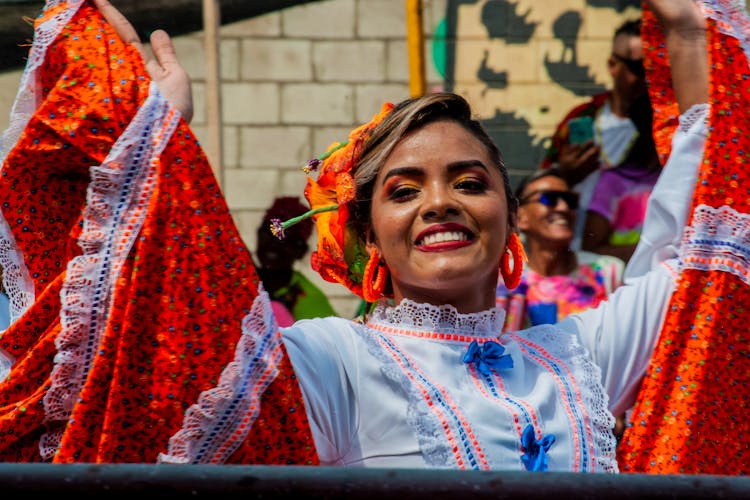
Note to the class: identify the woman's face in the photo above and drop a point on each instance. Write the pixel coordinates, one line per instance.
(440, 218)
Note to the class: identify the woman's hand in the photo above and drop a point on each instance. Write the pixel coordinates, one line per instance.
(685, 32)
(164, 68)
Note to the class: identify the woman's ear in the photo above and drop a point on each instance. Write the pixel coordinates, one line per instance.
(371, 242)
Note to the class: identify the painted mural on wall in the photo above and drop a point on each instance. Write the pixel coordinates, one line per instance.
(523, 64)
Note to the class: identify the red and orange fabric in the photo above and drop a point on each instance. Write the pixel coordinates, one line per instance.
(129, 277)
(691, 414)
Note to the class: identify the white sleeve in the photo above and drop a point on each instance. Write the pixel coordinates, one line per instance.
(325, 384)
(670, 201)
(620, 334)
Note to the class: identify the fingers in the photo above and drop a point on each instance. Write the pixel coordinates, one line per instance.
(161, 45)
(590, 152)
(121, 25)
(163, 67)
(574, 152)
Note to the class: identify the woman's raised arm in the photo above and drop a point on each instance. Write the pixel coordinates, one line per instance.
(165, 69)
(685, 32)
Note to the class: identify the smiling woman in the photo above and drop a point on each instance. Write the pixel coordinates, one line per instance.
(152, 340)
(440, 200)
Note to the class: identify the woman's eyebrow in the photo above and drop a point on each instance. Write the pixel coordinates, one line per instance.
(464, 164)
(419, 171)
(405, 171)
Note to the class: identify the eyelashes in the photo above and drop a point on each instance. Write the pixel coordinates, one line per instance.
(471, 184)
(406, 191)
(402, 192)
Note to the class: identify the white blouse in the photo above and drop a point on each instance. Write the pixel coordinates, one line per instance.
(396, 392)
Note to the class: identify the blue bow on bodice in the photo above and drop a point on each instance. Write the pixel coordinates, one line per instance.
(487, 356)
(535, 450)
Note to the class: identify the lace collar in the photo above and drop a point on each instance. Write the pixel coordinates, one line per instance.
(445, 319)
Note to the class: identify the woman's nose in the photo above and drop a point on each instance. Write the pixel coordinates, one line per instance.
(439, 202)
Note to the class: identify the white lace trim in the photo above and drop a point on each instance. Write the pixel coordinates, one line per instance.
(410, 315)
(587, 376)
(6, 362)
(217, 424)
(718, 239)
(695, 113)
(117, 203)
(427, 427)
(436, 450)
(444, 319)
(16, 280)
(731, 19)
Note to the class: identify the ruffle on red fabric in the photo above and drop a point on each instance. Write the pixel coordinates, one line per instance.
(686, 414)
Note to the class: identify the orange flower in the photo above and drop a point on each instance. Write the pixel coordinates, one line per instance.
(340, 256)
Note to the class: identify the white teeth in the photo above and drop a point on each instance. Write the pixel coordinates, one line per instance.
(443, 237)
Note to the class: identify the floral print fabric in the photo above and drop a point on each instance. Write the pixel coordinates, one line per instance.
(691, 413)
(139, 277)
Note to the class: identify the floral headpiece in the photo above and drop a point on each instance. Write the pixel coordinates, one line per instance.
(341, 255)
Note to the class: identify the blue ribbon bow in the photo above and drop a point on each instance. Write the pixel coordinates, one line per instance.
(487, 356)
(535, 451)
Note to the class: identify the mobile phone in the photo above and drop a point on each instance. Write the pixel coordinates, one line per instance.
(580, 129)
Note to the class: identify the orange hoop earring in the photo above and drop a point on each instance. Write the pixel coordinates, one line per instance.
(373, 285)
(516, 251)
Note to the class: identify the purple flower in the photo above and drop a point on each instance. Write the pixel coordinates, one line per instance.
(312, 165)
(277, 228)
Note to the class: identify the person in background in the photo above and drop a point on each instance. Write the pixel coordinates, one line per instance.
(615, 215)
(558, 280)
(294, 296)
(607, 130)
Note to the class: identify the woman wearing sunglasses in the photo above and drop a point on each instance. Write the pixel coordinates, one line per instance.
(558, 280)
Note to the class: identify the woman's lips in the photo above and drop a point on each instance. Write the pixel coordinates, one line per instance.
(443, 237)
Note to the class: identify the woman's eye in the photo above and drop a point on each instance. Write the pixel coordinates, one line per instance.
(402, 193)
(474, 185)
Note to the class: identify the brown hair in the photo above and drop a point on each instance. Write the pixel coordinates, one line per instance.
(406, 117)
(539, 174)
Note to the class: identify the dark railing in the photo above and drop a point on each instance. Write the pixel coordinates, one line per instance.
(281, 482)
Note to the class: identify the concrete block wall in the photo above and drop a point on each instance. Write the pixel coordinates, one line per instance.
(295, 80)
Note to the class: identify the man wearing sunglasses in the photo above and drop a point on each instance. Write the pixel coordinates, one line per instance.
(557, 280)
(610, 129)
